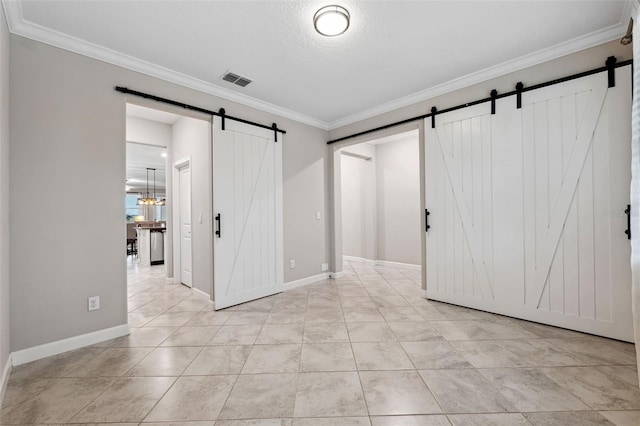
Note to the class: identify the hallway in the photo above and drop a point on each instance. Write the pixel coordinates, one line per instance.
(363, 349)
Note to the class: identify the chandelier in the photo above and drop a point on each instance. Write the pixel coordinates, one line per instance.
(147, 200)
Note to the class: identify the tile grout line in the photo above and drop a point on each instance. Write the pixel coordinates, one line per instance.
(355, 361)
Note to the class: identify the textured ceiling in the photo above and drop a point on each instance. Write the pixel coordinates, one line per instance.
(392, 49)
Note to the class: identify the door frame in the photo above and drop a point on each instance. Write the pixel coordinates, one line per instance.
(177, 230)
(335, 196)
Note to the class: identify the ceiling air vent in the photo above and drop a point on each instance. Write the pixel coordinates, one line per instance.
(236, 79)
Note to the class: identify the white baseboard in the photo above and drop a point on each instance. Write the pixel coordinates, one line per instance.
(59, 346)
(357, 259)
(382, 262)
(6, 372)
(336, 275)
(398, 264)
(201, 293)
(306, 281)
(423, 293)
(169, 280)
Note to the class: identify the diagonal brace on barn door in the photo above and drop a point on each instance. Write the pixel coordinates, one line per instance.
(568, 188)
(471, 233)
(245, 220)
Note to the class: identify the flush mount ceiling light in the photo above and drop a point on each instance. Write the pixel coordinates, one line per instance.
(331, 21)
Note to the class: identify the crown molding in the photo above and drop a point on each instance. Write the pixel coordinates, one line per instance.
(559, 50)
(12, 12)
(19, 26)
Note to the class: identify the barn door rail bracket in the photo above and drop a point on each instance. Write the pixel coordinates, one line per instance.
(220, 113)
(519, 87)
(494, 96)
(610, 66)
(611, 70)
(426, 220)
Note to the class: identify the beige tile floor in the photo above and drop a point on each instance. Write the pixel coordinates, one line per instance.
(362, 350)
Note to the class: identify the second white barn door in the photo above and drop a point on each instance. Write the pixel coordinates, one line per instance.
(247, 206)
(527, 206)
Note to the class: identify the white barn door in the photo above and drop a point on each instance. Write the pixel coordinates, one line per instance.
(247, 206)
(527, 206)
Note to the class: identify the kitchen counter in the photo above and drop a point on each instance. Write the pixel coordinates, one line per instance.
(151, 245)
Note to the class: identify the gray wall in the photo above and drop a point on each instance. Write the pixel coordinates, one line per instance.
(4, 192)
(398, 201)
(305, 182)
(68, 122)
(359, 229)
(192, 138)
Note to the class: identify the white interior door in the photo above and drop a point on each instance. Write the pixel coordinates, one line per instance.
(186, 262)
(527, 206)
(247, 205)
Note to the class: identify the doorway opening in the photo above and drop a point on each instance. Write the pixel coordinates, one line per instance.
(379, 210)
(168, 214)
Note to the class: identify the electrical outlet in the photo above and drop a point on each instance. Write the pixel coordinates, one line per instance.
(292, 264)
(325, 267)
(94, 303)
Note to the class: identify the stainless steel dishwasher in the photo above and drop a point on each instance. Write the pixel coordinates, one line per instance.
(157, 246)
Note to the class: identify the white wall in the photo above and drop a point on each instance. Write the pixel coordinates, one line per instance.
(148, 132)
(192, 138)
(68, 121)
(359, 230)
(4, 196)
(398, 201)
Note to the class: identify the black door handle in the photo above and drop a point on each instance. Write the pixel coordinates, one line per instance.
(219, 225)
(426, 220)
(628, 213)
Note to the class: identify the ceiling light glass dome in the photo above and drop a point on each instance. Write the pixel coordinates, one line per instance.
(331, 21)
